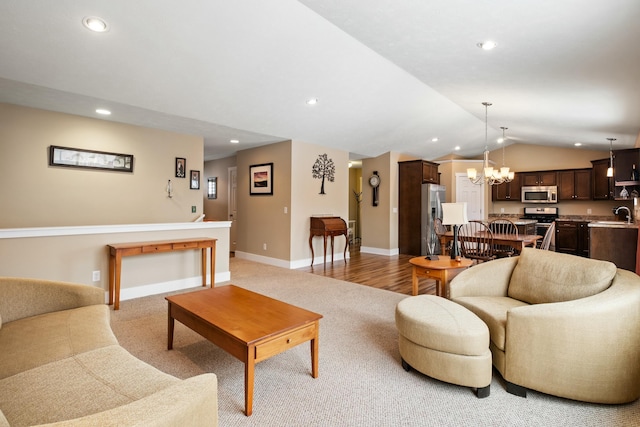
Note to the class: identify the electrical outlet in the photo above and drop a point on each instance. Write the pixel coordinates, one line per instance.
(286, 209)
(193, 209)
(264, 246)
(588, 211)
(501, 210)
(96, 276)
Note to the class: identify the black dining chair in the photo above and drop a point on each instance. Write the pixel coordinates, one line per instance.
(476, 241)
(504, 227)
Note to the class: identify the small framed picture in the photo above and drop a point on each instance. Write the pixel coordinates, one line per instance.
(181, 167)
(195, 180)
(261, 179)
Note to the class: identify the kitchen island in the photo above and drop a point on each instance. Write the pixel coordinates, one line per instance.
(614, 241)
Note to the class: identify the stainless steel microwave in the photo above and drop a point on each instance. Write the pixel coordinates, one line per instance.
(540, 194)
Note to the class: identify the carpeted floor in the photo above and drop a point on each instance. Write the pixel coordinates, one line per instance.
(361, 381)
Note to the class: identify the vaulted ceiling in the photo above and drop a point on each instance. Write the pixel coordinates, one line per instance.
(388, 75)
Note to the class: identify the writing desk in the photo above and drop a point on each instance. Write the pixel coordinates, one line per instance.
(119, 250)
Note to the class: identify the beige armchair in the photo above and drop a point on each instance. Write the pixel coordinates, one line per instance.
(559, 324)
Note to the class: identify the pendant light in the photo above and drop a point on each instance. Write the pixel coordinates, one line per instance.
(610, 168)
(491, 176)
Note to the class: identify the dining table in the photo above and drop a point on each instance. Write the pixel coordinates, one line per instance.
(518, 242)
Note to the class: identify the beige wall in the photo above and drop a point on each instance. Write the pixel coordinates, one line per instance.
(217, 209)
(307, 200)
(35, 194)
(261, 218)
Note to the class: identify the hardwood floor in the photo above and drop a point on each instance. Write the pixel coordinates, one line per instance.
(392, 273)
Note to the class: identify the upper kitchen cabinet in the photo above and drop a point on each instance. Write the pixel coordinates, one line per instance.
(601, 184)
(623, 166)
(529, 179)
(507, 191)
(574, 184)
(430, 172)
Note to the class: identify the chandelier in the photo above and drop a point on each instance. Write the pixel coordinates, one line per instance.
(491, 176)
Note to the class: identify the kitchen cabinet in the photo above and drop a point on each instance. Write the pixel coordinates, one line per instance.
(507, 191)
(574, 184)
(616, 244)
(572, 237)
(623, 161)
(601, 184)
(529, 179)
(414, 205)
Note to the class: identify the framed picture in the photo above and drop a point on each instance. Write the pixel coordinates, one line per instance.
(181, 167)
(195, 180)
(212, 187)
(261, 179)
(90, 159)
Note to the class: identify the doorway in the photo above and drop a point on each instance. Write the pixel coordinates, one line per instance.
(232, 206)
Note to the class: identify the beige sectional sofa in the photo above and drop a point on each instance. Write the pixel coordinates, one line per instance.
(60, 363)
(559, 324)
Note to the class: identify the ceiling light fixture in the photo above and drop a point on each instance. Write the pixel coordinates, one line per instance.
(95, 24)
(312, 101)
(234, 141)
(488, 45)
(610, 168)
(103, 112)
(578, 144)
(435, 139)
(491, 176)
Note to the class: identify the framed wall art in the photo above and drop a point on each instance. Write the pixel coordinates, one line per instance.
(194, 183)
(181, 167)
(261, 179)
(90, 159)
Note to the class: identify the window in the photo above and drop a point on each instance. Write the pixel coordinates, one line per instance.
(212, 188)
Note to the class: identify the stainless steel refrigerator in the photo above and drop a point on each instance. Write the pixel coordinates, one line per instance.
(433, 196)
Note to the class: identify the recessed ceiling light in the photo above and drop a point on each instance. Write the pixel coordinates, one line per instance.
(435, 139)
(457, 148)
(96, 24)
(578, 144)
(487, 45)
(312, 101)
(103, 112)
(234, 141)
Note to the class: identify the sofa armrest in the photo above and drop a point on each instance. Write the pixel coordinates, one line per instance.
(490, 278)
(21, 297)
(586, 349)
(191, 402)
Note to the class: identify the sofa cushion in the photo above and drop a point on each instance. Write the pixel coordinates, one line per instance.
(544, 277)
(80, 385)
(493, 312)
(34, 341)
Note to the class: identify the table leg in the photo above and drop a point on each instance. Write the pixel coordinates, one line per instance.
(117, 272)
(332, 249)
(311, 246)
(325, 250)
(315, 348)
(212, 261)
(346, 244)
(414, 282)
(203, 265)
(249, 371)
(112, 263)
(171, 322)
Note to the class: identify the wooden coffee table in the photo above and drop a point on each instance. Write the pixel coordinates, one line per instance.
(249, 326)
(436, 269)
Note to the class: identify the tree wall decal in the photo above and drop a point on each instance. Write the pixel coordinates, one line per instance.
(324, 169)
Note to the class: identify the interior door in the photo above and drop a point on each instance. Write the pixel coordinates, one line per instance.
(232, 206)
(473, 194)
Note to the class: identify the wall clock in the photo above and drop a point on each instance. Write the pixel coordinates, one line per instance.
(374, 182)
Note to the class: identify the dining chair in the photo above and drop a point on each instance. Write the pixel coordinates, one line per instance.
(476, 241)
(548, 236)
(507, 228)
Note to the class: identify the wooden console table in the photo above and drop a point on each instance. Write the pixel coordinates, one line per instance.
(328, 226)
(119, 250)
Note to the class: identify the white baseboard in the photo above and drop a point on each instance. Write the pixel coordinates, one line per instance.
(299, 263)
(170, 286)
(379, 251)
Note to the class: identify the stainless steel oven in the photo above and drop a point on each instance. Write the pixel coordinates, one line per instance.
(544, 217)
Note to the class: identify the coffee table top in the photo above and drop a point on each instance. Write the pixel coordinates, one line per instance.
(243, 314)
(444, 262)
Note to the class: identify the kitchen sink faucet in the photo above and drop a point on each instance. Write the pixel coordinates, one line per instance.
(628, 213)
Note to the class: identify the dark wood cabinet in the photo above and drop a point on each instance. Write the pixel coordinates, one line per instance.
(623, 161)
(572, 237)
(601, 184)
(574, 184)
(411, 177)
(507, 191)
(529, 179)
